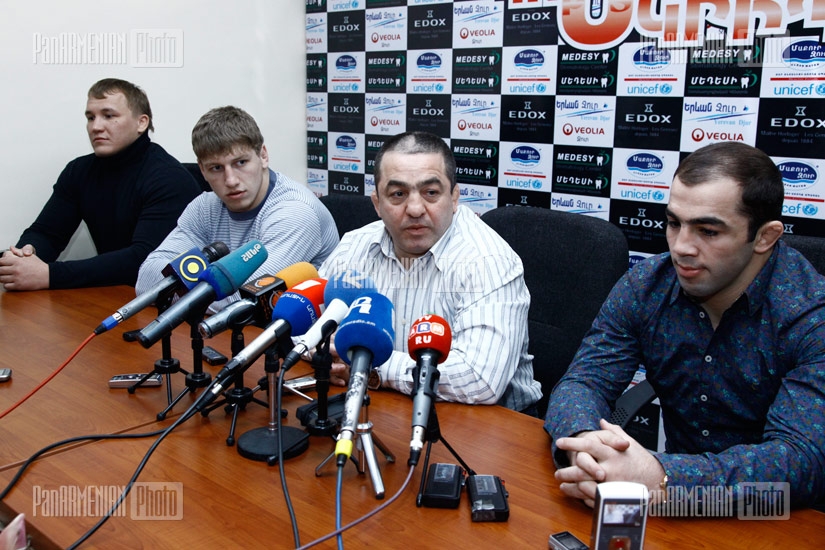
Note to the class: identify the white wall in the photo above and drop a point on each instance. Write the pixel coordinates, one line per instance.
(248, 53)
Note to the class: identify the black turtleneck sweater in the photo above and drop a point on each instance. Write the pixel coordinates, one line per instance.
(130, 201)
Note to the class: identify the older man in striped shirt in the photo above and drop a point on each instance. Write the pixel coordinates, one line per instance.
(428, 254)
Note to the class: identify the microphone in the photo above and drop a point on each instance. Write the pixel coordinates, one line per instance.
(295, 311)
(259, 297)
(367, 337)
(219, 280)
(339, 293)
(429, 344)
(183, 269)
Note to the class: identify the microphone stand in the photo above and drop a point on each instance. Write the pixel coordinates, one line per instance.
(432, 435)
(197, 378)
(240, 395)
(265, 443)
(166, 365)
(322, 365)
(365, 444)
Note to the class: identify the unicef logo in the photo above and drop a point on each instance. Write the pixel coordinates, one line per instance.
(541, 88)
(658, 196)
(666, 88)
(810, 210)
(536, 184)
(820, 90)
(439, 87)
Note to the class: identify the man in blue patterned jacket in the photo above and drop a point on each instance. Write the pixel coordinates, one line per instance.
(730, 326)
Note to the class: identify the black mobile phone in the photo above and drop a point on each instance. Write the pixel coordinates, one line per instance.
(5, 375)
(213, 356)
(128, 380)
(565, 541)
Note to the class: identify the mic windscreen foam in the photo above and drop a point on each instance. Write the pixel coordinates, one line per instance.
(430, 332)
(297, 273)
(187, 267)
(313, 289)
(348, 286)
(297, 310)
(368, 325)
(228, 274)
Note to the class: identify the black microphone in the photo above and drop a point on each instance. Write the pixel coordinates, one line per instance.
(257, 301)
(296, 310)
(183, 270)
(429, 344)
(220, 280)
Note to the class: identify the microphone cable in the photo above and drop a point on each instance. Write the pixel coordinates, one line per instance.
(48, 378)
(63, 442)
(365, 517)
(127, 489)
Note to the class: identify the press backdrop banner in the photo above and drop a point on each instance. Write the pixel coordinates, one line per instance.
(585, 106)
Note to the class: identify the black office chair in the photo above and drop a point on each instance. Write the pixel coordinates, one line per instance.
(350, 211)
(195, 170)
(571, 261)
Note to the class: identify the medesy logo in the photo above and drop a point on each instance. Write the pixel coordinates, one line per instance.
(797, 175)
(651, 58)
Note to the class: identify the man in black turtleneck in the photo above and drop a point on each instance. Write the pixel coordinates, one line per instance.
(129, 192)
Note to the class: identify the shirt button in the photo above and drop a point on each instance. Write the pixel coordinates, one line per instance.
(703, 397)
(705, 433)
(701, 314)
(708, 358)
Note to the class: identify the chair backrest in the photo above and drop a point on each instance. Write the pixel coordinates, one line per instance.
(350, 211)
(813, 248)
(195, 170)
(571, 261)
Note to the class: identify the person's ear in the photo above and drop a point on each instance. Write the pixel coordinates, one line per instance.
(767, 235)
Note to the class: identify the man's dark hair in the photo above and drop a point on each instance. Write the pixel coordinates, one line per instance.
(135, 97)
(223, 130)
(758, 177)
(413, 143)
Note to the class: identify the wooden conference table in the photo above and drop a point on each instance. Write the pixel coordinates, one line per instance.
(232, 502)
